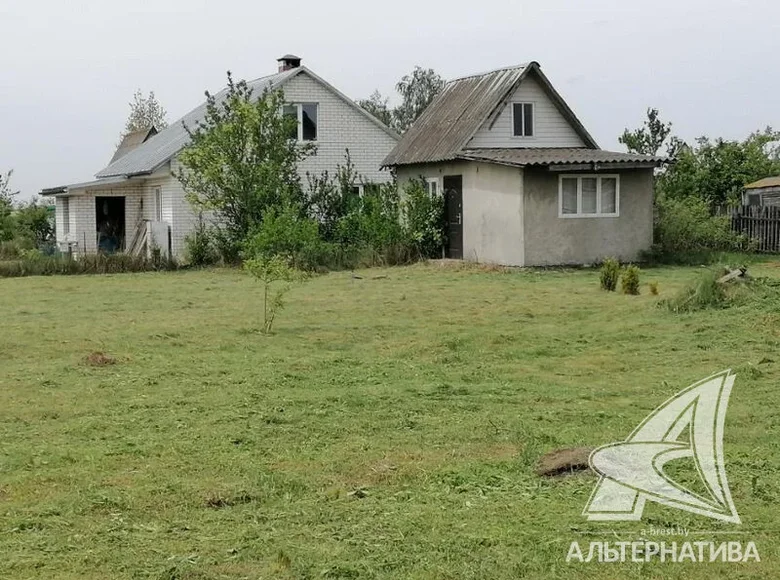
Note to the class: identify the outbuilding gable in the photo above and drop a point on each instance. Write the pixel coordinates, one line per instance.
(548, 127)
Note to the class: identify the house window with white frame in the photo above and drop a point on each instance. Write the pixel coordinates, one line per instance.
(522, 119)
(432, 185)
(589, 196)
(65, 215)
(158, 203)
(307, 117)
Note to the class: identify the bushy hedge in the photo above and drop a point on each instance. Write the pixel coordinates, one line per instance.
(342, 221)
(41, 265)
(687, 232)
(342, 229)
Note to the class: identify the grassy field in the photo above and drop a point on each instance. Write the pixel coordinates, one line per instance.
(388, 429)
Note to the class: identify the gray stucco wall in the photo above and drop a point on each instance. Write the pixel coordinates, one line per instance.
(552, 240)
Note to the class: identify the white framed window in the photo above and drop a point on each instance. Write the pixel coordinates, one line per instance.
(432, 185)
(358, 190)
(523, 120)
(307, 116)
(583, 196)
(158, 203)
(65, 215)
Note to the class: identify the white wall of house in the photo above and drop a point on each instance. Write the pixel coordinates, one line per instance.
(551, 129)
(340, 127)
(82, 226)
(493, 229)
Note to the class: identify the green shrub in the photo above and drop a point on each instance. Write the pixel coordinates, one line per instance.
(61, 264)
(629, 281)
(14, 249)
(653, 288)
(200, 247)
(285, 233)
(609, 274)
(686, 232)
(423, 219)
(227, 246)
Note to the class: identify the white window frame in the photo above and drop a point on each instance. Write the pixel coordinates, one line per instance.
(533, 120)
(158, 200)
(429, 181)
(598, 178)
(65, 215)
(361, 189)
(299, 109)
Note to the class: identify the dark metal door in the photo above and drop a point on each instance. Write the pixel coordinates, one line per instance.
(453, 209)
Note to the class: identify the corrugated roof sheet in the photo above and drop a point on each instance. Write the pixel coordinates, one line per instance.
(766, 182)
(131, 141)
(96, 183)
(453, 117)
(154, 152)
(556, 156)
(457, 113)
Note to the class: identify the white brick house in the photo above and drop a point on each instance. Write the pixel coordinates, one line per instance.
(138, 196)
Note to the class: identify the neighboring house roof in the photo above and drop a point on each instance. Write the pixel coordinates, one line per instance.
(464, 105)
(556, 156)
(149, 156)
(766, 182)
(133, 140)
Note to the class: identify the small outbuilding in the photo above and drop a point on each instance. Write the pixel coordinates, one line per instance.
(524, 182)
(764, 192)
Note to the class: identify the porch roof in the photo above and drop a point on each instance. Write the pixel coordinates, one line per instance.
(565, 157)
(64, 190)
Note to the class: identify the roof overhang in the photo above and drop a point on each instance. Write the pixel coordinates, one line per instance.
(79, 188)
(564, 159)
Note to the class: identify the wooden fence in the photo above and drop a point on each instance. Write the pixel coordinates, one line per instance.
(759, 223)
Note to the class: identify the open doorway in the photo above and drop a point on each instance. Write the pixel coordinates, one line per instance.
(110, 222)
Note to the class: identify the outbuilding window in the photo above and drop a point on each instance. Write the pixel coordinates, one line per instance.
(432, 184)
(589, 196)
(523, 119)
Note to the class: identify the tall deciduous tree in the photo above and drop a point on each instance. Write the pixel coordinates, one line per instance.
(7, 226)
(417, 91)
(651, 137)
(717, 170)
(376, 104)
(145, 113)
(33, 221)
(241, 160)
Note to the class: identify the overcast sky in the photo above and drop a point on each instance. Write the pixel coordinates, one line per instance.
(69, 69)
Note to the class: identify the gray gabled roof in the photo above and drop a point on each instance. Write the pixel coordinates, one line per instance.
(132, 140)
(149, 156)
(168, 142)
(456, 114)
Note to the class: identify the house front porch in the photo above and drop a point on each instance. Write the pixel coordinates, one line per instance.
(109, 216)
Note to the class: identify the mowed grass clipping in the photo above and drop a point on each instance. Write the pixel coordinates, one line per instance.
(387, 429)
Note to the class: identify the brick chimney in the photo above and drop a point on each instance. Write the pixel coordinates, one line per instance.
(288, 61)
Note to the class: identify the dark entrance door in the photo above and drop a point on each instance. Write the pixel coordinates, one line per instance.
(110, 222)
(453, 209)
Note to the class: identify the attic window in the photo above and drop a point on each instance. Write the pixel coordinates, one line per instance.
(523, 119)
(306, 114)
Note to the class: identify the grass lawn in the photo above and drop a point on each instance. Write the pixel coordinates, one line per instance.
(388, 429)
